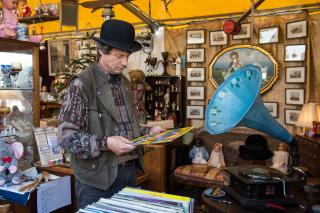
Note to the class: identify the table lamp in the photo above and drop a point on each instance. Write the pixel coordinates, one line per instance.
(308, 114)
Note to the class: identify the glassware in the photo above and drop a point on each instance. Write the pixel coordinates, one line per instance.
(16, 67)
(6, 70)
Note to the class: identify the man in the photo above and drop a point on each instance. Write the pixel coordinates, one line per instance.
(234, 65)
(98, 119)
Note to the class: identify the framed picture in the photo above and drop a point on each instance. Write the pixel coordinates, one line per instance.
(217, 38)
(195, 37)
(232, 58)
(272, 108)
(291, 116)
(244, 32)
(269, 35)
(297, 29)
(295, 52)
(195, 93)
(59, 54)
(195, 112)
(295, 96)
(195, 54)
(195, 74)
(296, 74)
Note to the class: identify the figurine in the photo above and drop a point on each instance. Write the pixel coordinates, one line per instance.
(10, 153)
(280, 158)
(9, 20)
(157, 115)
(216, 158)
(26, 11)
(44, 93)
(177, 64)
(166, 98)
(199, 154)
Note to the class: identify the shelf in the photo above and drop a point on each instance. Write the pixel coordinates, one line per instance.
(16, 88)
(37, 19)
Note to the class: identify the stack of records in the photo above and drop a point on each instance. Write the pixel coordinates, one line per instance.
(132, 200)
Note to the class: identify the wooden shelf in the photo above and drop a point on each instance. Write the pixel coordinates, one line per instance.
(38, 19)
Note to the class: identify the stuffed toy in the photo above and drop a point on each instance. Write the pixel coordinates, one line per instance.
(280, 160)
(25, 9)
(9, 20)
(216, 158)
(198, 153)
(10, 153)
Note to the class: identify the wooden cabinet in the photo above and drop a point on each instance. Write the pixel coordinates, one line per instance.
(166, 99)
(309, 154)
(19, 91)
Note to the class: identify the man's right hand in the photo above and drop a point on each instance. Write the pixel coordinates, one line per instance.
(119, 145)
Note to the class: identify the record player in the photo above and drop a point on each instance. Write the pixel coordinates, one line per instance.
(255, 186)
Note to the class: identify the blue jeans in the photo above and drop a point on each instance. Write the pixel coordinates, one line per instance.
(88, 194)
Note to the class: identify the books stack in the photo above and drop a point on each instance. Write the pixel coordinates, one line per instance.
(132, 200)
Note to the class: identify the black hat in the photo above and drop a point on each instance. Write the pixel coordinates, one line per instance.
(118, 34)
(255, 148)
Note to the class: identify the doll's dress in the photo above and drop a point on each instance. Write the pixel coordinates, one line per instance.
(10, 20)
(216, 159)
(280, 161)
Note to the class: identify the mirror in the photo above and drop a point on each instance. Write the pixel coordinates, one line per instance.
(233, 58)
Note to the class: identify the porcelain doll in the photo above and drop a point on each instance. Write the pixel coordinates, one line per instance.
(280, 160)
(9, 20)
(25, 9)
(199, 154)
(216, 158)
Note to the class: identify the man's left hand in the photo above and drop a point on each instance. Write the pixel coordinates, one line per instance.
(157, 130)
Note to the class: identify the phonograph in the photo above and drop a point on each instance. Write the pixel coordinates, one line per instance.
(237, 102)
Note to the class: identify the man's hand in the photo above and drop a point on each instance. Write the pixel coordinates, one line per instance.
(157, 129)
(119, 145)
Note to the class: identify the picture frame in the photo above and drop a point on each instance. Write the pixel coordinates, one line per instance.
(196, 73)
(269, 35)
(291, 116)
(297, 29)
(225, 62)
(218, 38)
(244, 32)
(295, 52)
(195, 55)
(59, 55)
(294, 96)
(195, 93)
(195, 36)
(272, 108)
(296, 74)
(195, 112)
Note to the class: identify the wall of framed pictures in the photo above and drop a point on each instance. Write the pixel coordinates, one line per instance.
(286, 37)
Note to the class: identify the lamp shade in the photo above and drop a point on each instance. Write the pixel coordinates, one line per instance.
(308, 114)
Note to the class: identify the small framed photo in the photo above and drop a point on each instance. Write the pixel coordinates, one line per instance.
(195, 93)
(195, 37)
(296, 74)
(244, 32)
(295, 96)
(297, 29)
(269, 35)
(217, 38)
(272, 108)
(195, 54)
(195, 112)
(295, 52)
(196, 74)
(291, 116)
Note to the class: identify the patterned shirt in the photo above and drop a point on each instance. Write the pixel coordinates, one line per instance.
(73, 130)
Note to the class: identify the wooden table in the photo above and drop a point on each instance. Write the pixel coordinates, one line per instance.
(211, 205)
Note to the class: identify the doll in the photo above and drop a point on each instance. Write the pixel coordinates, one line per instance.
(10, 153)
(199, 154)
(216, 158)
(280, 158)
(26, 11)
(9, 20)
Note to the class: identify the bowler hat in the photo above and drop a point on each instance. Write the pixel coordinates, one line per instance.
(118, 34)
(255, 148)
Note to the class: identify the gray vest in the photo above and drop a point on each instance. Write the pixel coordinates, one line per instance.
(101, 172)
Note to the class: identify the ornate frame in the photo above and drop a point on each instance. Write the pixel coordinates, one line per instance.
(264, 52)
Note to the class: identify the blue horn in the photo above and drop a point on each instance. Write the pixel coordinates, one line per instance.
(237, 102)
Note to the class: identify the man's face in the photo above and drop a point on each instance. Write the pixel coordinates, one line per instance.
(115, 61)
